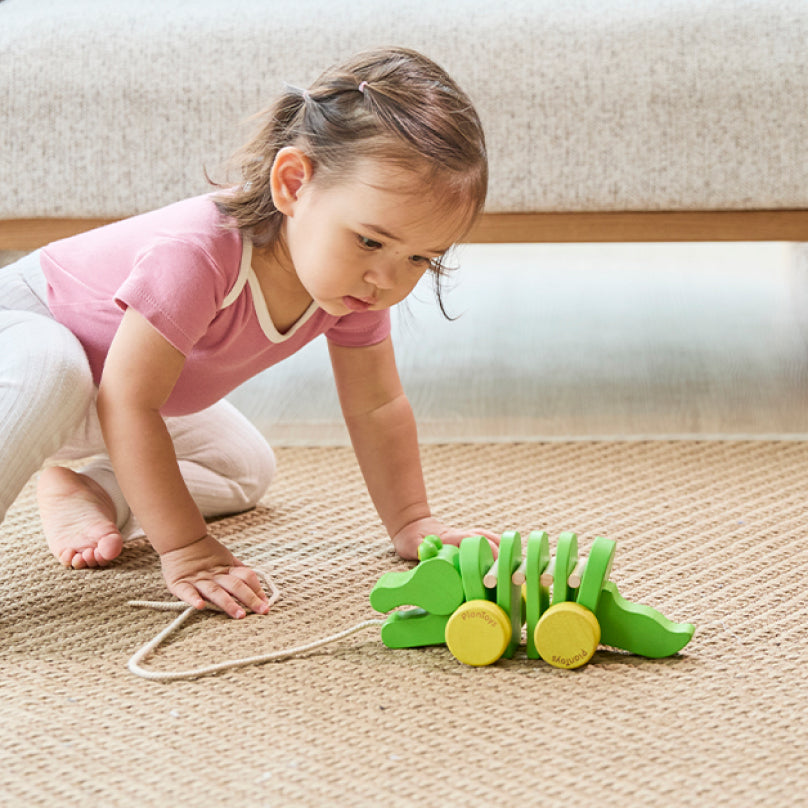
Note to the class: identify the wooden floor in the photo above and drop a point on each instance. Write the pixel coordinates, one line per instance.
(583, 340)
(589, 340)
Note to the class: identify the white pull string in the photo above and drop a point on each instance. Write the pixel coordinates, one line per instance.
(135, 662)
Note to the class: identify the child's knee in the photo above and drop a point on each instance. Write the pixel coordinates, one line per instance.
(69, 374)
(225, 460)
(49, 369)
(248, 472)
(261, 471)
(73, 372)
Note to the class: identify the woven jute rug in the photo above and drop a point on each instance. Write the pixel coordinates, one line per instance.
(712, 533)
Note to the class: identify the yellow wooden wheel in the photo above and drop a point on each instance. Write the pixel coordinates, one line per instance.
(478, 632)
(567, 635)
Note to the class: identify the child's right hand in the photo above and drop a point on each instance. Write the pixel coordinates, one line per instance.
(206, 571)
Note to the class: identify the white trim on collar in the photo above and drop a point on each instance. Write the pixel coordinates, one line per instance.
(246, 275)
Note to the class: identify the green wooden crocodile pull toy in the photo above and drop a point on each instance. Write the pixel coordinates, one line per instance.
(477, 605)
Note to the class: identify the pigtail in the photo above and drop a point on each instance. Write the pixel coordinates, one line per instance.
(248, 201)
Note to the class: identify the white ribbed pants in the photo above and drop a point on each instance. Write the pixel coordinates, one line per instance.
(47, 410)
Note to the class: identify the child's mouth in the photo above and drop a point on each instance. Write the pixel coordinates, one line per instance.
(355, 303)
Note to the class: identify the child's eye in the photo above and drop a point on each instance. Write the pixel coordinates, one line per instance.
(369, 243)
(421, 261)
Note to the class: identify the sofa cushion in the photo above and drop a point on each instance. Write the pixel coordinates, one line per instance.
(114, 108)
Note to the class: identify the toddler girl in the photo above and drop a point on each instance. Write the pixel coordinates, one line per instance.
(122, 342)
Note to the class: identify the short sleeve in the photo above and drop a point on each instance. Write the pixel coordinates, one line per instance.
(178, 288)
(360, 329)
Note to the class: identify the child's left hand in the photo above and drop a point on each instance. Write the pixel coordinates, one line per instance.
(407, 540)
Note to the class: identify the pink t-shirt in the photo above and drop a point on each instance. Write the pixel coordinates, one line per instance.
(190, 276)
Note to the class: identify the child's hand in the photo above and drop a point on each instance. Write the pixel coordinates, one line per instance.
(206, 570)
(407, 540)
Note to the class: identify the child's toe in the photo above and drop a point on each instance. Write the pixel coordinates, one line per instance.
(78, 562)
(66, 557)
(109, 547)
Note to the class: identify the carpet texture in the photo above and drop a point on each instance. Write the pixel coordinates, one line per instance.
(708, 532)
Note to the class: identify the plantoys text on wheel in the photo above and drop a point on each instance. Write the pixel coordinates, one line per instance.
(477, 605)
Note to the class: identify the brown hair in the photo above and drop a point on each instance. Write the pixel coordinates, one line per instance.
(393, 104)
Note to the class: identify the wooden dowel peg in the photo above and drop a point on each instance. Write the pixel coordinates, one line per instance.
(576, 576)
(519, 574)
(548, 574)
(490, 577)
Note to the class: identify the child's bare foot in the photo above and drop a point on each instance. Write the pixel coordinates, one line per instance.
(78, 517)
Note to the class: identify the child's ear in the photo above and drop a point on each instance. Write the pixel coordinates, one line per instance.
(291, 170)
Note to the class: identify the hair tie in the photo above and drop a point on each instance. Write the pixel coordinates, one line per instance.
(361, 87)
(303, 93)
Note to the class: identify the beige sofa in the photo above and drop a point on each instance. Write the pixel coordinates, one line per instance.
(607, 120)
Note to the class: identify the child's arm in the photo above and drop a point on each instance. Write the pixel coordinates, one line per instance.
(383, 433)
(141, 369)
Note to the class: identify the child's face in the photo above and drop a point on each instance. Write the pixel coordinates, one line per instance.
(364, 243)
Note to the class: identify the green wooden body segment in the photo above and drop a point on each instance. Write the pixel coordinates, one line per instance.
(596, 573)
(639, 629)
(566, 558)
(509, 594)
(414, 628)
(433, 585)
(537, 597)
(476, 558)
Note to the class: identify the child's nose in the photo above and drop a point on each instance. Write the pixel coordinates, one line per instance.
(382, 275)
